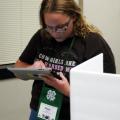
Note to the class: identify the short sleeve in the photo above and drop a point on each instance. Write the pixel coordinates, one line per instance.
(96, 44)
(29, 53)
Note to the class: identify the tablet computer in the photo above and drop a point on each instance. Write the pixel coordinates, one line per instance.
(32, 73)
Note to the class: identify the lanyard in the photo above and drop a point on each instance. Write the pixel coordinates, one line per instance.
(49, 104)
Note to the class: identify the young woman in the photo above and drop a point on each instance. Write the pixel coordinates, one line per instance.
(64, 41)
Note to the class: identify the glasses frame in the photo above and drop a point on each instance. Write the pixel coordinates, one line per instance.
(59, 28)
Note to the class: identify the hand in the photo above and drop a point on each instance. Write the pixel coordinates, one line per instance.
(38, 64)
(62, 85)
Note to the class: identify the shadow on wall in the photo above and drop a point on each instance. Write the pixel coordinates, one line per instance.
(4, 73)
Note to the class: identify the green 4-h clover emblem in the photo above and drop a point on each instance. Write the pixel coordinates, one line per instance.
(51, 95)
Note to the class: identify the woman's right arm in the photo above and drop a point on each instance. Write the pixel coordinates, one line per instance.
(36, 64)
(19, 63)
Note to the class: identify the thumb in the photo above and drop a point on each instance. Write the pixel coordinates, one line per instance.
(62, 76)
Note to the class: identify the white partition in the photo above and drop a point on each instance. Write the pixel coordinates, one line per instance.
(94, 95)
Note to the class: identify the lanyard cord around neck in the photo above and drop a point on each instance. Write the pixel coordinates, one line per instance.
(71, 45)
(69, 49)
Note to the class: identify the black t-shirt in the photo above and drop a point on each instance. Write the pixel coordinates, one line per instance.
(62, 56)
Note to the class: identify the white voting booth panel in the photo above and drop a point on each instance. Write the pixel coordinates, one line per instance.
(94, 95)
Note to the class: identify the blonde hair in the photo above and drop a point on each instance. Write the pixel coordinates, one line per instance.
(70, 8)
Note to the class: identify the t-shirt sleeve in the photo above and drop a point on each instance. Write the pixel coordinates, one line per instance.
(29, 53)
(95, 44)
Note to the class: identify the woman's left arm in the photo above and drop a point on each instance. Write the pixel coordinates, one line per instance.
(60, 84)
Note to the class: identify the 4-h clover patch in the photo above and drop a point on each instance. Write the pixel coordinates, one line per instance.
(51, 95)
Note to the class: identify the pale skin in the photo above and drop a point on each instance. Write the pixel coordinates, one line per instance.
(53, 20)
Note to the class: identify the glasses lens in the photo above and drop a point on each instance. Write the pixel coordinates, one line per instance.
(58, 29)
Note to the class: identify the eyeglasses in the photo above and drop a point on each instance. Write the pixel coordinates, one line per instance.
(59, 29)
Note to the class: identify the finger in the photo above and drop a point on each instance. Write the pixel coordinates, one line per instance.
(48, 81)
(52, 80)
(62, 76)
(42, 64)
(49, 77)
(39, 64)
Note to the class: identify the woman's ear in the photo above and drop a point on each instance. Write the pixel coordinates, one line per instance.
(74, 18)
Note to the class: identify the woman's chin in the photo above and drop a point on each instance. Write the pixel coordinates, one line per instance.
(59, 39)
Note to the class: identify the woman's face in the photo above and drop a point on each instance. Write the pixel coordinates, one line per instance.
(60, 26)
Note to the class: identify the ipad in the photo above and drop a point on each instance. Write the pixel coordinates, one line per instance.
(33, 73)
